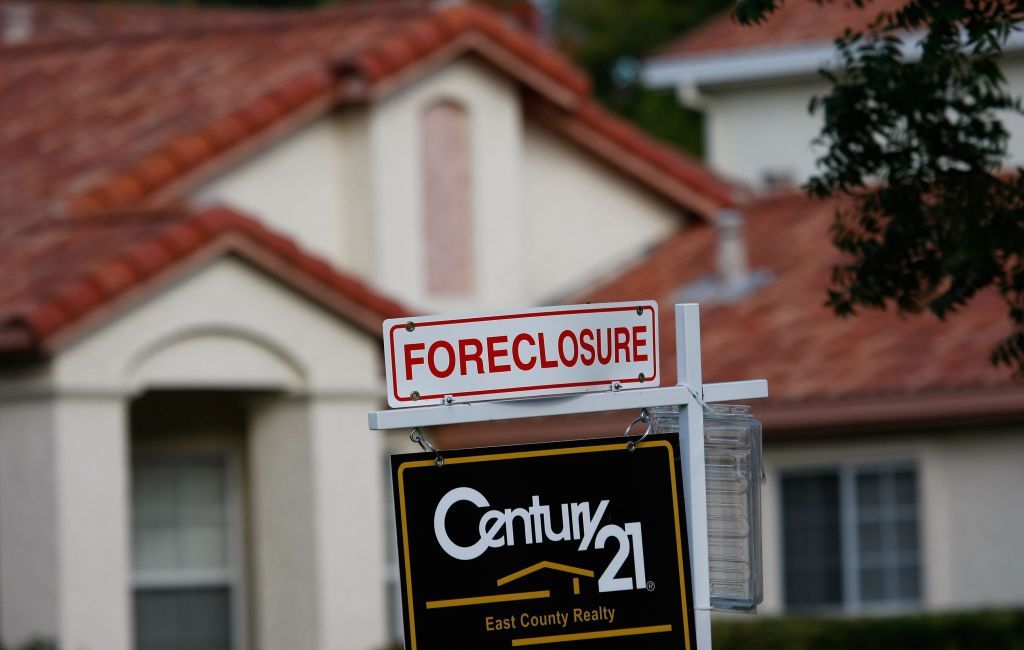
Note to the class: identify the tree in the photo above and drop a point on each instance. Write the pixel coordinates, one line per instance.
(608, 38)
(912, 136)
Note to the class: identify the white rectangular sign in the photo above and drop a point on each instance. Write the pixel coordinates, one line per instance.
(543, 351)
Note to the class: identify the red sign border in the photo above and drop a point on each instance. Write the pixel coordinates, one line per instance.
(490, 391)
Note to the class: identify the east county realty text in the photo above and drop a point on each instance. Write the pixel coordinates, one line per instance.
(560, 618)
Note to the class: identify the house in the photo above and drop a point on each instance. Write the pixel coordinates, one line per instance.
(754, 85)
(204, 217)
(893, 449)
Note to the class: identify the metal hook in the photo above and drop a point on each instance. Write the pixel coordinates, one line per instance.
(417, 436)
(645, 416)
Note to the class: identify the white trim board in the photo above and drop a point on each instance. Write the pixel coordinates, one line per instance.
(760, 63)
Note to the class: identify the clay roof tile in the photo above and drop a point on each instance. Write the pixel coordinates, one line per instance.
(105, 256)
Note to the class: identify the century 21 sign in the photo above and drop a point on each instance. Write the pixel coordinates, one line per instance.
(543, 544)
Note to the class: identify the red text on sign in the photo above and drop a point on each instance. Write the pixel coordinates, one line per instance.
(499, 354)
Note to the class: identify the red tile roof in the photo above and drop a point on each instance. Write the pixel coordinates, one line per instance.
(138, 119)
(61, 22)
(78, 115)
(794, 23)
(786, 334)
(63, 276)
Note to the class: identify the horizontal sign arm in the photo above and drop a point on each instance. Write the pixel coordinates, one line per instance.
(728, 391)
(462, 413)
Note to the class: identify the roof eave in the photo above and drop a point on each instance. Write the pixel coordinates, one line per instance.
(931, 410)
(735, 67)
(760, 63)
(24, 336)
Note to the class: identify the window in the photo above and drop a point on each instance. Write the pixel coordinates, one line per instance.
(447, 199)
(850, 538)
(186, 553)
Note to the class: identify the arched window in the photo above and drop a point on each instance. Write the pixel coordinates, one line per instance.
(447, 199)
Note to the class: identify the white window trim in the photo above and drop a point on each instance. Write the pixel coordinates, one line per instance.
(852, 604)
(234, 577)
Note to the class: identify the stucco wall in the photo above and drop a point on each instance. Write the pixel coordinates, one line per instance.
(583, 219)
(752, 131)
(1013, 69)
(969, 486)
(982, 489)
(298, 185)
(764, 128)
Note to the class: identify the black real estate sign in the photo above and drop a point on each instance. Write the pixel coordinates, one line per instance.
(538, 545)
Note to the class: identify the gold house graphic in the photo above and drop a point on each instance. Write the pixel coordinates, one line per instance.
(576, 572)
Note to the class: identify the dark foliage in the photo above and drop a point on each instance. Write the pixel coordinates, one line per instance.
(961, 631)
(988, 630)
(912, 133)
(32, 645)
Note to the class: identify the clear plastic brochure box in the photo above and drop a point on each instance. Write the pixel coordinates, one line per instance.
(734, 473)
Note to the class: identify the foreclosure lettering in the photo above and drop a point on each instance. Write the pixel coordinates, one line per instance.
(527, 350)
(539, 352)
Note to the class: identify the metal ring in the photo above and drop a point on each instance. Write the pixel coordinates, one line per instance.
(645, 416)
(417, 436)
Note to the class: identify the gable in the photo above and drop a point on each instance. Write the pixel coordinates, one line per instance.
(350, 186)
(226, 325)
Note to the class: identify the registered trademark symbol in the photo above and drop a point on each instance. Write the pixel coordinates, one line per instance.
(650, 585)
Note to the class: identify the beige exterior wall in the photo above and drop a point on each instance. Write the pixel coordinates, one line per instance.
(583, 219)
(64, 533)
(980, 483)
(764, 127)
(760, 130)
(969, 487)
(29, 539)
(547, 217)
(295, 185)
(1013, 69)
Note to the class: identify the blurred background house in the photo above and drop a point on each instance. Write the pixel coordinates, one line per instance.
(206, 213)
(753, 86)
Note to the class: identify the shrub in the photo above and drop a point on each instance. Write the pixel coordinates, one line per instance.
(37, 644)
(990, 630)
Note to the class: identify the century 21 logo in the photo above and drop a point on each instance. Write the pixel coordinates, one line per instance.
(578, 523)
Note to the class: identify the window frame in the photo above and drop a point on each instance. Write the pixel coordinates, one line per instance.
(852, 601)
(234, 576)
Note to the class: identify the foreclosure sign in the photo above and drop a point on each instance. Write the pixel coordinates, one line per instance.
(544, 544)
(545, 351)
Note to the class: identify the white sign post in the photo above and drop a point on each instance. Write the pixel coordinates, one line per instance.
(453, 400)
